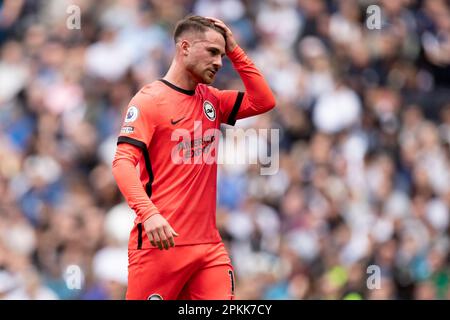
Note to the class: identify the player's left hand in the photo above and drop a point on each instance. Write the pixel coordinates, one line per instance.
(230, 41)
(159, 232)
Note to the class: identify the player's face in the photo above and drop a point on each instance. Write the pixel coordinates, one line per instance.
(205, 56)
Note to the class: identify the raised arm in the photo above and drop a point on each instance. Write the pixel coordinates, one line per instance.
(258, 97)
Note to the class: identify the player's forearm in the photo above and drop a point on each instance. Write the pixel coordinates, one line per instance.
(258, 91)
(126, 176)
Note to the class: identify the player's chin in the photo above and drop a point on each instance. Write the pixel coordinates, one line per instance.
(208, 77)
(208, 80)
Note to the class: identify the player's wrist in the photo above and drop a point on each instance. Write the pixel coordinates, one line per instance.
(237, 54)
(148, 215)
(233, 50)
(231, 46)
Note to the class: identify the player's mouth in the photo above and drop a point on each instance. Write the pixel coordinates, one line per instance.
(212, 71)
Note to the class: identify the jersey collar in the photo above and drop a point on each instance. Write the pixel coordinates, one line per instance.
(174, 87)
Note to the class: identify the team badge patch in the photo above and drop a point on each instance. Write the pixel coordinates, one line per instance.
(209, 110)
(132, 114)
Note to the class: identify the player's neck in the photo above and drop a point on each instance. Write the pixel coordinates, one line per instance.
(180, 78)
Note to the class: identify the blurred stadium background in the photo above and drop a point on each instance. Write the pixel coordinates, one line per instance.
(364, 120)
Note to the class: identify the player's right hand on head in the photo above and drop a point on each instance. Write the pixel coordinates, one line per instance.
(159, 232)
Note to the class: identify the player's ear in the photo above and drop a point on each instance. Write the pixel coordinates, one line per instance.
(185, 46)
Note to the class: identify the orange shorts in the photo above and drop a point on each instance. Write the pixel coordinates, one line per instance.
(190, 272)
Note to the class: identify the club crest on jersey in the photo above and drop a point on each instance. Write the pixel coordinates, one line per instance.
(132, 114)
(209, 110)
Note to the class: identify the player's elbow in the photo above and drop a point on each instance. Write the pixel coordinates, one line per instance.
(269, 102)
(263, 104)
(115, 167)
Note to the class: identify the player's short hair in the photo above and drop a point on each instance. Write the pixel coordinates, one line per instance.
(195, 24)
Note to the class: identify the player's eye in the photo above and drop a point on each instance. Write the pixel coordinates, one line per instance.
(214, 52)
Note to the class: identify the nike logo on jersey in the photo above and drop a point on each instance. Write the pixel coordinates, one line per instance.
(175, 122)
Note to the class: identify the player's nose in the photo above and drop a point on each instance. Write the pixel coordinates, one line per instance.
(218, 63)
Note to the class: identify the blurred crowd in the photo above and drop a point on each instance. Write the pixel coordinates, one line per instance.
(359, 208)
